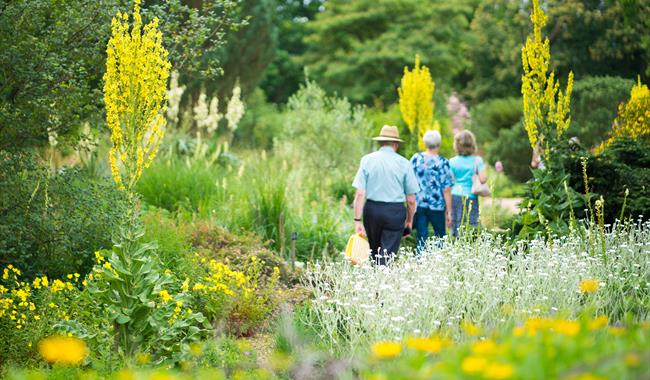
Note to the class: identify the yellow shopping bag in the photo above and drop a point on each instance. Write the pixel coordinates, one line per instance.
(357, 250)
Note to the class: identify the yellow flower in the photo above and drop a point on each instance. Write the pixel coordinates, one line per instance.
(473, 364)
(484, 347)
(632, 360)
(568, 328)
(470, 328)
(386, 350)
(598, 322)
(430, 345)
(589, 286)
(616, 331)
(164, 295)
(498, 371)
(142, 358)
(63, 350)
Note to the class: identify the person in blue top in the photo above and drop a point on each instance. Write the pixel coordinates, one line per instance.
(464, 204)
(384, 182)
(434, 198)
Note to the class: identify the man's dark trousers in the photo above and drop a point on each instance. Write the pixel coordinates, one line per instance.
(384, 224)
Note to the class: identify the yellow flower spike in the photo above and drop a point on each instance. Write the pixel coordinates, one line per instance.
(416, 99)
(589, 286)
(386, 350)
(137, 68)
(65, 350)
(544, 105)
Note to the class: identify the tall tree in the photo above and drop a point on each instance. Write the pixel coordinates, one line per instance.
(52, 58)
(286, 72)
(248, 50)
(359, 48)
(589, 37)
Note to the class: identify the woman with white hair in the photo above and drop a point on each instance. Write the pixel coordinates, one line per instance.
(433, 173)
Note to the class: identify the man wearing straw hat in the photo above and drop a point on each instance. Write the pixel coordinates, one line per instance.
(384, 182)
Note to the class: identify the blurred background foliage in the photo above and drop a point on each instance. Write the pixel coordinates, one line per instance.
(318, 78)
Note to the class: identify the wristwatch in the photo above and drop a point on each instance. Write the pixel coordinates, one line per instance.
(357, 220)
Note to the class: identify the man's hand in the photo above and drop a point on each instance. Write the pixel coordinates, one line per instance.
(360, 230)
(448, 218)
(408, 226)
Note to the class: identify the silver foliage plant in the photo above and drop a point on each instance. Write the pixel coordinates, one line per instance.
(488, 281)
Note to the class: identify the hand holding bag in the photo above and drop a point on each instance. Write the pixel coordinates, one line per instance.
(357, 250)
(478, 188)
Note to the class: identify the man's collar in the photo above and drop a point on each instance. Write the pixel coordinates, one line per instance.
(386, 149)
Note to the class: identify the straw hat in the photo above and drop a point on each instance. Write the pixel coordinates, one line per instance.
(388, 133)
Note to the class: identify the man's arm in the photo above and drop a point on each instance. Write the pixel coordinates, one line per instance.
(447, 196)
(359, 202)
(410, 210)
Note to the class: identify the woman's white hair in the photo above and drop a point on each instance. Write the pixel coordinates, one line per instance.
(432, 139)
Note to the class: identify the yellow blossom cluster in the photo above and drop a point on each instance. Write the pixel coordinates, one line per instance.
(221, 279)
(589, 285)
(545, 106)
(416, 99)
(17, 297)
(135, 84)
(633, 120)
(66, 350)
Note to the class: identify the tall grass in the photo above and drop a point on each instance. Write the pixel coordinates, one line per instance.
(261, 193)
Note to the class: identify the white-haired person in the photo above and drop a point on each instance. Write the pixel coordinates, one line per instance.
(433, 173)
(464, 204)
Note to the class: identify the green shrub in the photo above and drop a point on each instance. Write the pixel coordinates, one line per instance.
(261, 124)
(317, 128)
(53, 222)
(236, 250)
(513, 149)
(594, 102)
(623, 166)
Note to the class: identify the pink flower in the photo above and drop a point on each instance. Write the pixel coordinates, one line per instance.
(498, 166)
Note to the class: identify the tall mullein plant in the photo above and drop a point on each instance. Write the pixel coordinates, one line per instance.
(416, 100)
(546, 108)
(135, 93)
(128, 278)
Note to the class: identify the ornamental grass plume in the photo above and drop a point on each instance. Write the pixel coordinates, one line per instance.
(65, 350)
(416, 99)
(545, 106)
(135, 85)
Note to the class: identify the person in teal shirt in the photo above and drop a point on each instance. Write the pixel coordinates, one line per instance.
(464, 204)
(384, 181)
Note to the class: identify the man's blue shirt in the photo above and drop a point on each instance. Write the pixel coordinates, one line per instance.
(385, 176)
